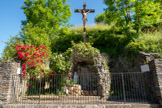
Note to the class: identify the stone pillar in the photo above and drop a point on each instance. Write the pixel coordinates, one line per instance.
(156, 79)
(7, 70)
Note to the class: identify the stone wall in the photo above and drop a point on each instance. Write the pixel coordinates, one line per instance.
(93, 70)
(155, 81)
(152, 79)
(7, 70)
(130, 63)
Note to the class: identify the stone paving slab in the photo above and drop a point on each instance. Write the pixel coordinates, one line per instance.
(80, 106)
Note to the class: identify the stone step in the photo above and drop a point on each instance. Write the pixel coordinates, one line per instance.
(61, 98)
(129, 105)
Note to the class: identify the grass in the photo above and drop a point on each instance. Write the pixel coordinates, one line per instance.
(150, 42)
(92, 27)
(113, 40)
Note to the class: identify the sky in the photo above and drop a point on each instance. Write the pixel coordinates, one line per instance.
(11, 16)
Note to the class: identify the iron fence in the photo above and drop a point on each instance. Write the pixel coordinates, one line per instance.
(81, 88)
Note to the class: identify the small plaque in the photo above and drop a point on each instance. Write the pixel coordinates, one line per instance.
(145, 68)
(18, 70)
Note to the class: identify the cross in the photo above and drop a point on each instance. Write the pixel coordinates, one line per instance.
(84, 12)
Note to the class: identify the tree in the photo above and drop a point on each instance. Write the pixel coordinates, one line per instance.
(44, 20)
(124, 12)
(9, 51)
(147, 14)
(48, 15)
(119, 11)
(101, 18)
(35, 35)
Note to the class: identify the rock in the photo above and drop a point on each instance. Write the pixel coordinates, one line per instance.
(73, 90)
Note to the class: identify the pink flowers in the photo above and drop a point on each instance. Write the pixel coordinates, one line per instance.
(27, 47)
(23, 68)
(29, 85)
(31, 57)
(52, 72)
(31, 46)
(24, 72)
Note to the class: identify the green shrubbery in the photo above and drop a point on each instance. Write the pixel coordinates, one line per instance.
(147, 42)
(109, 39)
(62, 63)
(112, 40)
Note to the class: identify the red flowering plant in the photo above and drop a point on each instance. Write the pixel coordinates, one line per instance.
(32, 58)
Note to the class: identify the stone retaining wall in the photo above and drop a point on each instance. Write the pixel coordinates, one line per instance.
(130, 63)
(7, 70)
(156, 79)
(153, 78)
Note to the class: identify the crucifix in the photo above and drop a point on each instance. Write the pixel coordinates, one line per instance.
(84, 13)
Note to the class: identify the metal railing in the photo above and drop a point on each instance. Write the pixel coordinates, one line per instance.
(81, 88)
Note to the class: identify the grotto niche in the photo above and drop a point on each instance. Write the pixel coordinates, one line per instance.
(92, 70)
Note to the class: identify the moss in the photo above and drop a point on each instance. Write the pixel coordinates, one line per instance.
(106, 65)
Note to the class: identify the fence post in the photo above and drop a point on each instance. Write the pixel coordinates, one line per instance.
(123, 87)
(40, 88)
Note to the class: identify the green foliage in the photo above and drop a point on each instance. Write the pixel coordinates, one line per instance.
(109, 39)
(147, 14)
(137, 13)
(128, 15)
(148, 42)
(112, 40)
(119, 11)
(9, 52)
(44, 19)
(85, 51)
(62, 63)
(101, 18)
(48, 14)
(35, 36)
(70, 81)
(106, 66)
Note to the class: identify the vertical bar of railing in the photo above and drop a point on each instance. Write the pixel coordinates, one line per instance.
(144, 77)
(123, 87)
(40, 88)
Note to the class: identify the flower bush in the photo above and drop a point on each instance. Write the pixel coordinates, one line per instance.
(32, 58)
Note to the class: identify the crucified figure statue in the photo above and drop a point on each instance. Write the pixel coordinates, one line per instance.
(84, 13)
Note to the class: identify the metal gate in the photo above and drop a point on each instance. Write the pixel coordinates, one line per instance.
(82, 88)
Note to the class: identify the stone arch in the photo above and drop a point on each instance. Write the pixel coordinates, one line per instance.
(93, 69)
